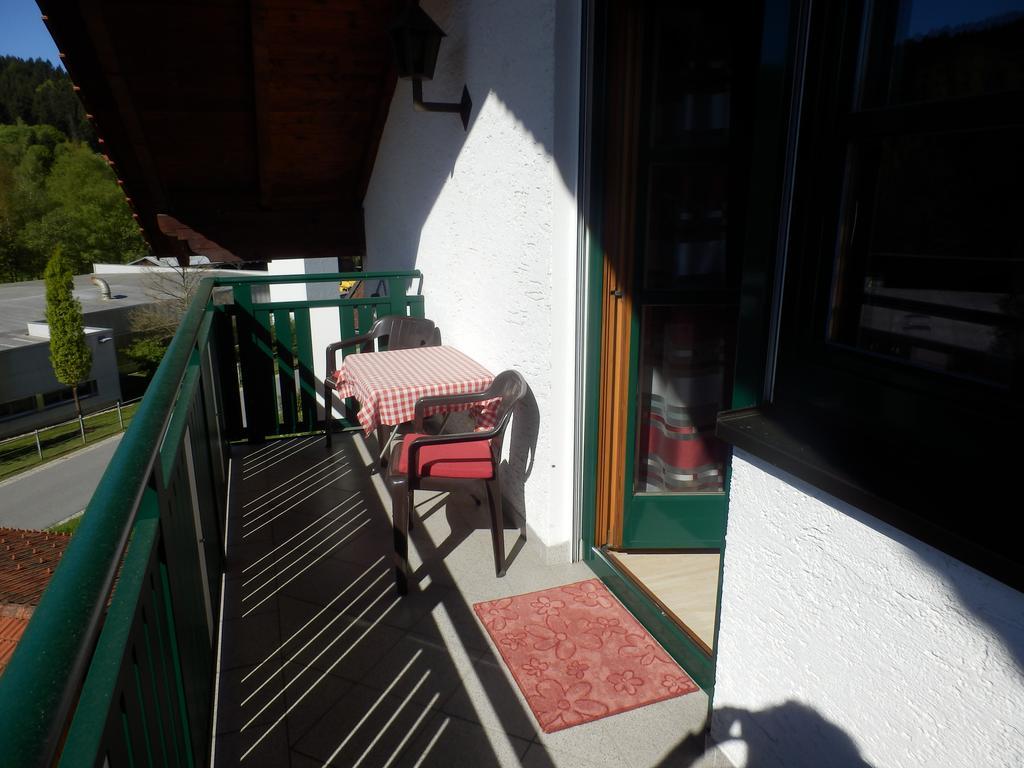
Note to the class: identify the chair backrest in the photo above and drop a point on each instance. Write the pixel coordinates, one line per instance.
(511, 387)
(404, 332)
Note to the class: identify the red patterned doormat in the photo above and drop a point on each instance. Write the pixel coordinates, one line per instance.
(578, 655)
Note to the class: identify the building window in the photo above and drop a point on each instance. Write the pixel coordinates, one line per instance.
(15, 408)
(60, 396)
(900, 345)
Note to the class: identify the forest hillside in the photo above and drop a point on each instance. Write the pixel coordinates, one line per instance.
(56, 190)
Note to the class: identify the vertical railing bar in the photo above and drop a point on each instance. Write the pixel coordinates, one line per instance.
(146, 740)
(176, 426)
(176, 662)
(158, 714)
(298, 412)
(126, 731)
(284, 353)
(236, 354)
(275, 370)
(169, 681)
(114, 643)
(307, 365)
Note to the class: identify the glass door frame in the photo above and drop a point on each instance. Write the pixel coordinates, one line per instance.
(776, 80)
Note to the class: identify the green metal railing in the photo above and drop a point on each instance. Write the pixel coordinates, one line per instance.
(123, 674)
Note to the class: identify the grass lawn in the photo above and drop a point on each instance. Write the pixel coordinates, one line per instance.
(68, 526)
(21, 454)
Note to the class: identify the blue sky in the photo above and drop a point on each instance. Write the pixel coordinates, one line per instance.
(22, 32)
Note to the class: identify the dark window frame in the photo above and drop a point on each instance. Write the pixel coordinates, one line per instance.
(931, 454)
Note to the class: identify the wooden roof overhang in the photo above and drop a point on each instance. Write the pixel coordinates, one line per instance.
(236, 127)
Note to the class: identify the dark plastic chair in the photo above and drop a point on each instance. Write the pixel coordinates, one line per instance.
(394, 331)
(450, 462)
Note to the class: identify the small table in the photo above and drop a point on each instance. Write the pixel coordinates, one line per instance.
(388, 384)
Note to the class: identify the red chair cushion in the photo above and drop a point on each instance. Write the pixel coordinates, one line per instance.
(464, 460)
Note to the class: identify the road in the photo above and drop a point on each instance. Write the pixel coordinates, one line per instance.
(54, 492)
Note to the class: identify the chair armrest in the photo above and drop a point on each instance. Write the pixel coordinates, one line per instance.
(332, 350)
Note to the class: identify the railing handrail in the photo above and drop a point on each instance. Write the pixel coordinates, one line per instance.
(49, 664)
(317, 277)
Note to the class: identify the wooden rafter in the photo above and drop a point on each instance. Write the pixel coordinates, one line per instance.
(261, 73)
(223, 115)
(93, 15)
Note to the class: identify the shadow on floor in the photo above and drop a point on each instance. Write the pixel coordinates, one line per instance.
(322, 663)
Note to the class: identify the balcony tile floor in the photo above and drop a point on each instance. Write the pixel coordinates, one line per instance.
(322, 663)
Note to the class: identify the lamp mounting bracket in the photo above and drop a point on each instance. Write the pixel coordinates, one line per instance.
(462, 108)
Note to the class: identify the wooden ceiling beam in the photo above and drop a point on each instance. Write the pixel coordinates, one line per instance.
(261, 75)
(97, 29)
(192, 241)
(303, 87)
(254, 234)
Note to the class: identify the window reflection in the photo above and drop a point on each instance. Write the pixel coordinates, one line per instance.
(934, 270)
(682, 386)
(689, 152)
(932, 50)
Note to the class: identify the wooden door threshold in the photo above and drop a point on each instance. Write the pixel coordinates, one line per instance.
(617, 557)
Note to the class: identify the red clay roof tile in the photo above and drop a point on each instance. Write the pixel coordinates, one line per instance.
(11, 629)
(27, 560)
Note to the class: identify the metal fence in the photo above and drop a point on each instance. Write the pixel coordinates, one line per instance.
(21, 452)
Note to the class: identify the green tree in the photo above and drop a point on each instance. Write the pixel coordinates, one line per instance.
(70, 356)
(19, 79)
(9, 250)
(91, 219)
(59, 193)
(55, 103)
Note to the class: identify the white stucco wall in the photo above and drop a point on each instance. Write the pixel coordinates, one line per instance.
(489, 216)
(842, 637)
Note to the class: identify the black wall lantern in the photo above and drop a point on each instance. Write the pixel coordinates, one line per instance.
(417, 40)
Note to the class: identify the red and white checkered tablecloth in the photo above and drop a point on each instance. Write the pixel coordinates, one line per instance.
(388, 384)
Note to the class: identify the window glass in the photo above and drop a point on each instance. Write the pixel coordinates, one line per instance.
(85, 389)
(57, 396)
(933, 271)
(688, 183)
(693, 74)
(684, 362)
(17, 407)
(686, 245)
(931, 50)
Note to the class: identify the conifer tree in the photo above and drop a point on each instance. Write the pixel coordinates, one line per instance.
(70, 356)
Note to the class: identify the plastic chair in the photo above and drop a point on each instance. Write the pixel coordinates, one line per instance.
(450, 462)
(396, 332)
